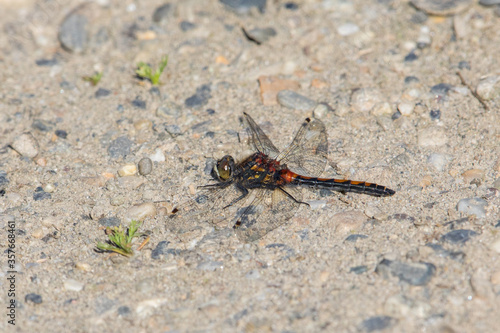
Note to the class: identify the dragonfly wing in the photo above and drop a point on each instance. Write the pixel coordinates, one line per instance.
(210, 205)
(259, 139)
(308, 152)
(262, 216)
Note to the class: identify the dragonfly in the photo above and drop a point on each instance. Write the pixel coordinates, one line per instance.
(263, 191)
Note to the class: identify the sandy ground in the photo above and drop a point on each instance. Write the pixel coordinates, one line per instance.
(420, 261)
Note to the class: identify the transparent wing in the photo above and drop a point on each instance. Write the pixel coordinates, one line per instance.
(307, 154)
(259, 139)
(207, 206)
(266, 212)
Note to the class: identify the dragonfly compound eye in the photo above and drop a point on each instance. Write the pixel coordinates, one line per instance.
(224, 168)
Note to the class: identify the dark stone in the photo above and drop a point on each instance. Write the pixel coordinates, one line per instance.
(210, 111)
(259, 35)
(73, 34)
(120, 147)
(441, 89)
(459, 236)
(186, 26)
(161, 13)
(101, 92)
(40, 194)
(200, 98)
(42, 125)
(435, 114)
(33, 298)
(497, 225)
(378, 323)
(291, 6)
(46, 62)
(110, 221)
(61, 134)
(355, 237)
(173, 130)
(359, 269)
(464, 65)
(123, 311)
(411, 79)
(411, 57)
(243, 7)
(416, 274)
(139, 103)
(396, 115)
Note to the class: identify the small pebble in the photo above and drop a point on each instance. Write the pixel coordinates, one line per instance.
(347, 222)
(382, 109)
(123, 311)
(379, 323)
(169, 109)
(358, 269)
(416, 274)
(143, 124)
(42, 125)
(473, 206)
(355, 237)
(186, 26)
(47, 62)
(495, 277)
(41, 161)
(489, 87)
(411, 79)
(481, 285)
(73, 34)
(260, 35)
(244, 7)
(40, 194)
(61, 134)
(424, 39)
(26, 145)
(33, 298)
(145, 166)
(440, 7)
(432, 137)
(139, 103)
(73, 285)
(82, 266)
(293, 100)
(110, 221)
(365, 99)
(117, 200)
(158, 156)
(101, 92)
(321, 110)
(127, 170)
(435, 114)
(316, 204)
(406, 108)
(291, 6)
(210, 265)
(140, 212)
(441, 89)
(161, 13)
(472, 174)
(496, 183)
(439, 161)
(458, 236)
(49, 188)
(120, 147)
(412, 56)
(200, 98)
(464, 65)
(173, 130)
(489, 2)
(347, 29)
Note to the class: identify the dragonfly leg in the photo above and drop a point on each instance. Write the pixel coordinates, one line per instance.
(244, 193)
(292, 197)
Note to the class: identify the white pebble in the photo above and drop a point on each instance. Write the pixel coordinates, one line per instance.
(489, 87)
(140, 212)
(495, 246)
(365, 99)
(473, 206)
(158, 156)
(127, 170)
(406, 108)
(347, 29)
(439, 161)
(26, 145)
(73, 285)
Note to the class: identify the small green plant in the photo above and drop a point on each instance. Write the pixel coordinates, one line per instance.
(146, 72)
(94, 79)
(120, 241)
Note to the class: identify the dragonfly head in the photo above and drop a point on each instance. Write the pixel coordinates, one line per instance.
(224, 168)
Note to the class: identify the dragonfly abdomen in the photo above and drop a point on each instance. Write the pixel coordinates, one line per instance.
(343, 185)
